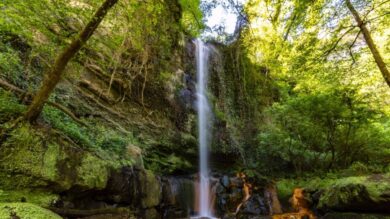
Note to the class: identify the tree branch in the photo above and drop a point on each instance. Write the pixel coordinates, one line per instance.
(377, 17)
(370, 43)
(350, 47)
(327, 52)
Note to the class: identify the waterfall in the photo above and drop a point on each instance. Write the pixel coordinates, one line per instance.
(204, 125)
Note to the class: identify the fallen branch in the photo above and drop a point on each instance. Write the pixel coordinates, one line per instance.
(7, 86)
(93, 89)
(120, 128)
(67, 112)
(83, 213)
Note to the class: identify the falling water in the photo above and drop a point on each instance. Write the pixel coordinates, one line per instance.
(204, 117)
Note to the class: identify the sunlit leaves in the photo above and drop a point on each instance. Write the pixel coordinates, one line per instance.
(324, 72)
(191, 19)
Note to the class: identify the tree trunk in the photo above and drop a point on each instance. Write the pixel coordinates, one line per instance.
(53, 75)
(370, 43)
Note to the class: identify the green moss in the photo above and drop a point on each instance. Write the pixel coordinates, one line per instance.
(375, 185)
(69, 127)
(150, 187)
(50, 159)
(38, 197)
(25, 211)
(340, 196)
(188, 140)
(30, 160)
(220, 115)
(11, 65)
(167, 163)
(9, 106)
(26, 156)
(285, 189)
(93, 172)
(348, 215)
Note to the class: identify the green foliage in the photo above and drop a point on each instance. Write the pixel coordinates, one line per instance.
(92, 172)
(26, 151)
(319, 131)
(32, 158)
(9, 106)
(243, 91)
(11, 66)
(136, 41)
(170, 164)
(24, 135)
(70, 128)
(139, 36)
(328, 113)
(100, 137)
(191, 20)
(111, 140)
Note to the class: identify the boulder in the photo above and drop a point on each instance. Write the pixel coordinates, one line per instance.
(151, 213)
(25, 211)
(29, 161)
(336, 215)
(138, 188)
(38, 197)
(229, 194)
(178, 192)
(360, 196)
(254, 206)
(92, 172)
(150, 189)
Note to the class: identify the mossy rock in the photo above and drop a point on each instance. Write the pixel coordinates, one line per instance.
(369, 194)
(151, 213)
(29, 160)
(26, 160)
(25, 211)
(346, 197)
(150, 189)
(335, 215)
(38, 197)
(92, 172)
(357, 193)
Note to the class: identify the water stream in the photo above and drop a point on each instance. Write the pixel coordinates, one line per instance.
(204, 124)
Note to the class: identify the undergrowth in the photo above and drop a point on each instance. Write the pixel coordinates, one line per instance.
(10, 108)
(95, 136)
